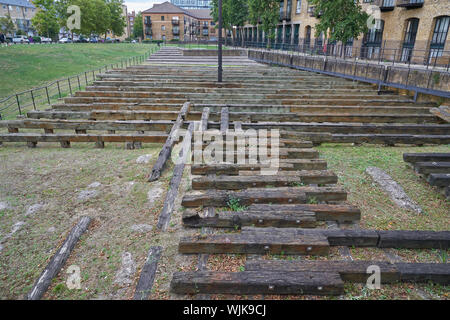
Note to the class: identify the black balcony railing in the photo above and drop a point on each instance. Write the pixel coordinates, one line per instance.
(312, 12)
(175, 22)
(385, 5)
(410, 4)
(176, 31)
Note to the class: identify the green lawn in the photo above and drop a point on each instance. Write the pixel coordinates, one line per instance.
(24, 67)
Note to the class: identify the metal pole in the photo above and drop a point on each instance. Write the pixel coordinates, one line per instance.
(219, 77)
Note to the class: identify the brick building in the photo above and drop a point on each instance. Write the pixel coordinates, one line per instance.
(130, 22)
(21, 12)
(168, 22)
(407, 30)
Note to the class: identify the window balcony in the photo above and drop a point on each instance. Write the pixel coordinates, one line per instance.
(176, 32)
(410, 4)
(147, 21)
(285, 15)
(175, 22)
(312, 12)
(385, 5)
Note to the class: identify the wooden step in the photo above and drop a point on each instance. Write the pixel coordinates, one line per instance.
(426, 157)
(88, 125)
(32, 137)
(261, 181)
(349, 271)
(300, 195)
(255, 243)
(324, 212)
(401, 239)
(257, 282)
(356, 271)
(236, 169)
(230, 219)
(432, 167)
(439, 179)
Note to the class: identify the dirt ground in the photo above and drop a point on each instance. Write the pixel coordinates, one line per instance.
(44, 192)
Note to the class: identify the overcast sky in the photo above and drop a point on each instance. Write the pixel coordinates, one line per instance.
(141, 5)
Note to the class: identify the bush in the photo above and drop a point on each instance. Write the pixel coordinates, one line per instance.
(36, 39)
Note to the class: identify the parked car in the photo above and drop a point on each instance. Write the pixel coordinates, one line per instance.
(93, 40)
(20, 39)
(65, 40)
(133, 41)
(46, 40)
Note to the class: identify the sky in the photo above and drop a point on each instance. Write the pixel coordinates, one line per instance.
(141, 5)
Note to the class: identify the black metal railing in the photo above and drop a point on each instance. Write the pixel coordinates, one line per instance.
(37, 98)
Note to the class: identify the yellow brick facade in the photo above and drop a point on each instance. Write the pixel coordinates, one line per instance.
(300, 17)
(20, 15)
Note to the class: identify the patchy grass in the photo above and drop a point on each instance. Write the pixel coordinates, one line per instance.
(378, 210)
(54, 177)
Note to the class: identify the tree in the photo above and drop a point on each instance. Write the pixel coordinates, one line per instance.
(117, 21)
(7, 25)
(234, 13)
(341, 19)
(45, 21)
(138, 28)
(265, 13)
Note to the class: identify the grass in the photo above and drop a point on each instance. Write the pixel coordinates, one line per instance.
(54, 177)
(24, 67)
(378, 210)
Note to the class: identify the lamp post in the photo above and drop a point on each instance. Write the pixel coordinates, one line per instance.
(219, 73)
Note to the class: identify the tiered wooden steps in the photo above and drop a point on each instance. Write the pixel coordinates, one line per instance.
(434, 167)
(328, 109)
(279, 214)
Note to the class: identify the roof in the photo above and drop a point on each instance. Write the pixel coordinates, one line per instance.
(165, 7)
(201, 13)
(18, 3)
(168, 7)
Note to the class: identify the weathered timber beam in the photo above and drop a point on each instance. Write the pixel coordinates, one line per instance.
(147, 277)
(299, 195)
(261, 181)
(257, 282)
(426, 157)
(58, 260)
(168, 146)
(226, 219)
(174, 185)
(324, 212)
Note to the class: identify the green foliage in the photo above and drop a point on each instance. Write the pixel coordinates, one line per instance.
(235, 205)
(341, 19)
(234, 12)
(313, 200)
(7, 25)
(265, 13)
(45, 21)
(138, 29)
(97, 16)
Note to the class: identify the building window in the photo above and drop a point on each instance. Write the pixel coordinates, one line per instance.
(162, 18)
(439, 36)
(299, 6)
(163, 28)
(410, 39)
(372, 40)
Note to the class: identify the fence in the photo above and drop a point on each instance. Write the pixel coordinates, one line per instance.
(427, 81)
(387, 52)
(36, 98)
